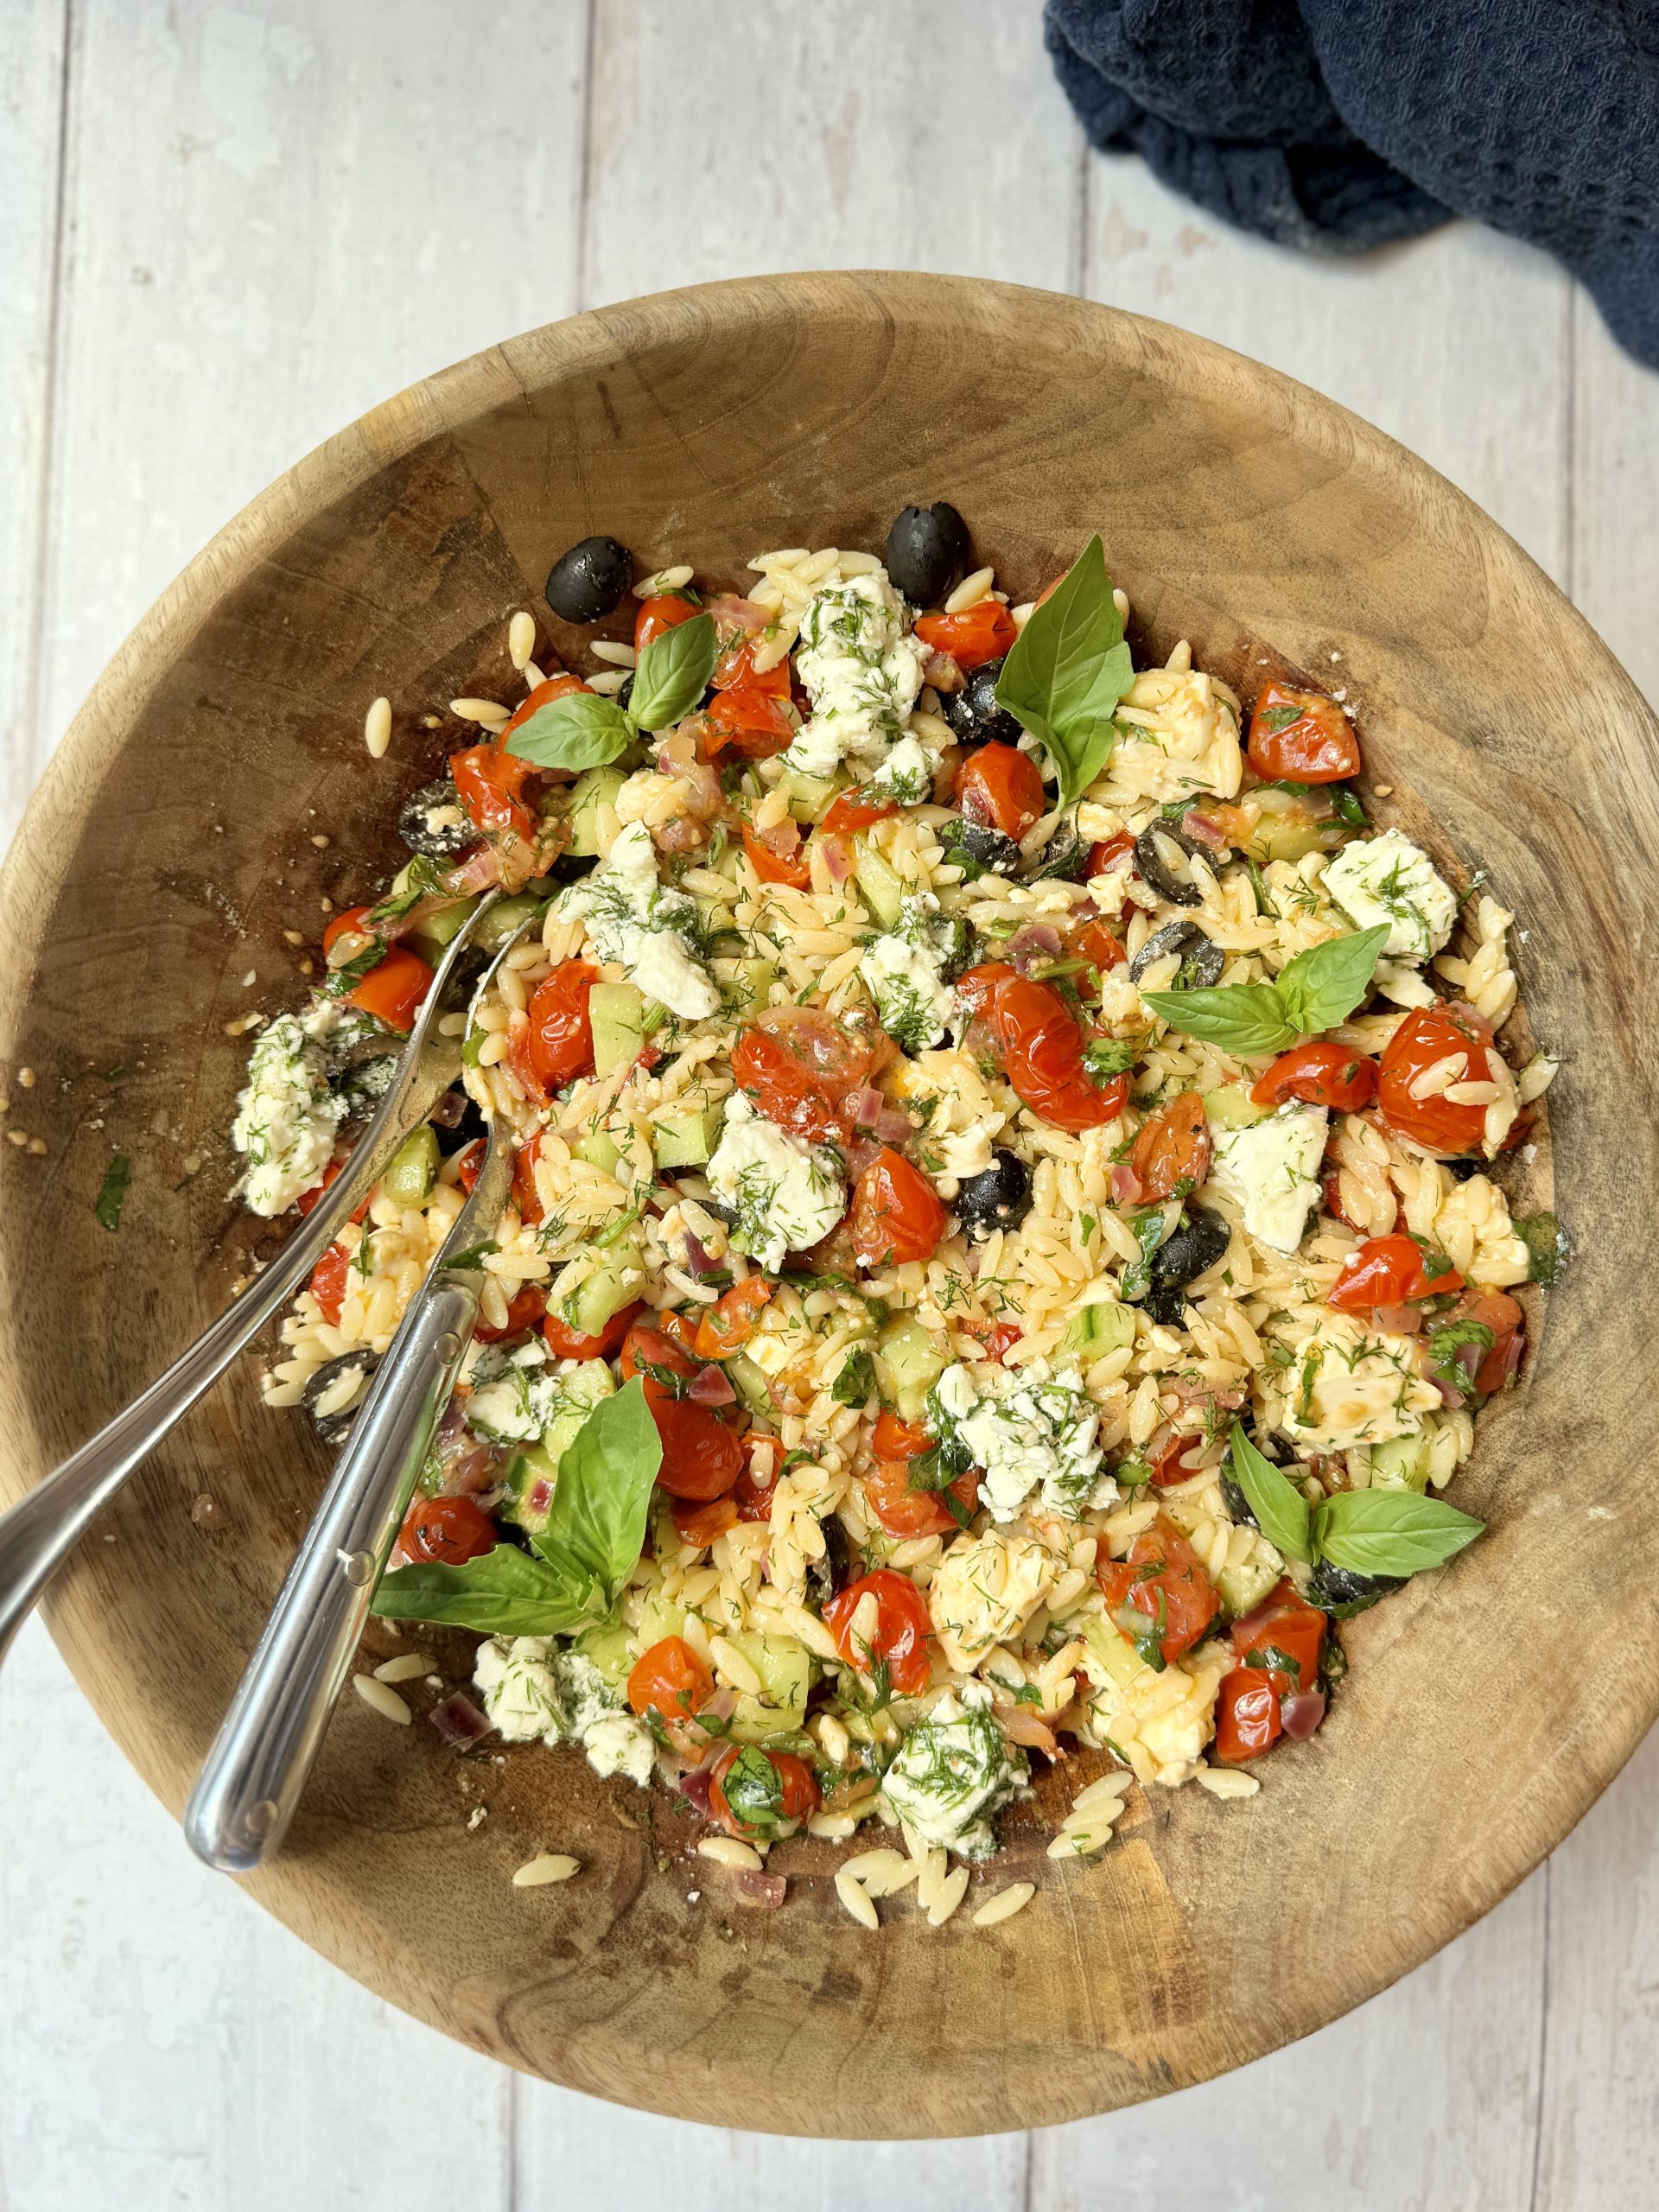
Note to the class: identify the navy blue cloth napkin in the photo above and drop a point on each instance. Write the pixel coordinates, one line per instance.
(1342, 124)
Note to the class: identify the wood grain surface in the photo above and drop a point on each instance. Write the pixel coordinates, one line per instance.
(707, 424)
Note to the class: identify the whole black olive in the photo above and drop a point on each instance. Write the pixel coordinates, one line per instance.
(927, 553)
(1339, 1591)
(999, 1196)
(1202, 958)
(432, 821)
(334, 1428)
(1198, 1239)
(1160, 856)
(586, 583)
(988, 849)
(973, 712)
(825, 1576)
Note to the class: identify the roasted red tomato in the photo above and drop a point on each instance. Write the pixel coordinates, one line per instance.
(661, 613)
(527, 1309)
(753, 1497)
(750, 722)
(1501, 1314)
(671, 1685)
(1000, 788)
(1427, 1035)
(726, 1326)
(1173, 1147)
(977, 634)
(896, 1214)
(1104, 856)
(491, 784)
(737, 625)
(1042, 1058)
(903, 1511)
(1390, 1271)
(1302, 737)
(1320, 1074)
(328, 1283)
(900, 1636)
(556, 687)
(773, 865)
(799, 1067)
(561, 1038)
(899, 1440)
(1097, 944)
(566, 1343)
(747, 1799)
(1162, 1583)
(392, 989)
(1247, 1715)
(702, 1457)
(1284, 1636)
(447, 1531)
(857, 809)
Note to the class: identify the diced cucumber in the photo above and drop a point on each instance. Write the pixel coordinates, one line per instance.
(754, 980)
(443, 922)
(612, 1285)
(591, 788)
(659, 1617)
(1400, 1463)
(809, 796)
(1114, 1650)
(531, 1477)
(616, 1013)
(599, 1151)
(909, 1361)
(413, 1169)
(1232, 1107)
(1095, 1331)
(750, 1382)
(883, 888)
(786, 1670)
(1244, 1587)
(503, 918)
(606, 1649)
(686, 1139)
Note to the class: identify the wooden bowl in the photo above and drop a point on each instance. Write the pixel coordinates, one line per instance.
(215, 789)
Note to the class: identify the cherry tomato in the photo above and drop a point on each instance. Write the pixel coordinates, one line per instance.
(566, 1343)
(854, 809)
(702, 1457)
(735, 671)
(329, 1281)
(664, 612)
(670, 1681)
(307, 1199)
(902, 1629)
(701, 1524)
(977, 989)
(1302, 737)
(527, 1309)
(799, 1067)
(1428, 1034)
(1095, 943)
(556, 687)
(1173, 1147)
(1166, 1458)
(1162, 1581)
(774, 867)
(750, 722)
(1000, 788)
(903, 1511)
(1042, 1048)
(1390, 1271)
(561, 1038)
(1321, 1074)
(726, 1326)
(977, 634)
(1501, 1314)
(1283, 1637)
(896, 1214)
(751, 1496)
(393, 991)
(1247, 1715)
(1104, 856)
(899, 1440)
(491, 784)
(352, 922)
(792, 1797)
(447, 1531)
(1331, 1194)
(524, 1181)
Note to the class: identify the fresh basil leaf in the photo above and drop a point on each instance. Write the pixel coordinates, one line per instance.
(1136, 1278)
(1322, 986)
(1446, 1344)
(1350, 807)
(597, 1520)
(503, 1592)
(673, 671)
(112, 1192)
(1281, 1509)
(752, 1787)
(581, 730)
(1067, 670)
(856, 1384)
(1246, 1019)
(1547, 1246)
(1392, 1532)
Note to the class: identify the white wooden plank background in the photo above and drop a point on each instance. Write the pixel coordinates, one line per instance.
(225, 230)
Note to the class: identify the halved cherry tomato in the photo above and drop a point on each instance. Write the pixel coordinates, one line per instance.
(751, 1496)
(1321, 1074)
(393, 991)
(977, 634)
(1501, 1314)
(469, 1165)
(734, 670)
(491, 784)
(662, 612)
(774, 867)
(1284, 1637)
(1042, 1049)
(556, 687)
(1000, 788)
(799, 1067)
(1162, 1580)
(353, 921)
(670, 1681)
(1390, 1271)
(329, 1281)
(899, 1440)
(902, 1629)
(726, 1326)
(447, 1531)
(977, 989)
(857, 809)
(566, 1343)
(1173, 1147)
(1330, 1193)
(751, 722)
(524, 1181)
(1247, 1715)
(527, 1309)
(903, 1511)
(559, 1039)
(1428, 1034)
(795, 1798)
(896, 1215)
(1095, 943)
(1166, 1459)
(1302, 737)
(701, 1524)
(702, 1457)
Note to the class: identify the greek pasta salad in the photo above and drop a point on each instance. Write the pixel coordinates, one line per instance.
(1004, 1250)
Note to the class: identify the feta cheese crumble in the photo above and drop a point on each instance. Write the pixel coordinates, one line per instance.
(905, 776)
(1270, 1169)
(1350, 1385)
(963, 1120)
(651, 931)
(1387, 878)
(1028, 1429)
(532, 1692)
(285, 1118)
(953, 1770)
(905, 973)
(520, 1396)
(862, 671)
(785, 1194)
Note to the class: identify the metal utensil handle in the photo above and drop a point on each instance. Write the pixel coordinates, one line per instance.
(256, 1770)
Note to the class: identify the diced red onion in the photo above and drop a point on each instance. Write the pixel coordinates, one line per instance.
(474, 871)
(893, 1126)
(711, 1388)
(1206, 831)
(730, 612)
(752, 1886)
(869, 1106)
(447, 1113)
(1514, 1352)
(1126, 1185)
(860, 1153)
(458, 1720)
(1301, 1713)
(837, 857)
(1032, 945)
(941, 670)
(1246, 1631)
(1450, 1394)
(699, 1259)
(1400, 1320)
(694, 1788)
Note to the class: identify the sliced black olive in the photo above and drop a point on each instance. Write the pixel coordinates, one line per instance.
(1064, 859)
(1196, 1241)
(998, 1198)
(1202, 958)
(333, 1428)
(625, 693)
(586, 583)
(1339, 1591)
(927, 553)
(1160, 854)
(437, 838)
(1237, 1504)
(825, 1576)
(973, 712)
(978, 850)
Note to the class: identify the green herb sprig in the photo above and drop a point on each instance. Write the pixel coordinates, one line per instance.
(586, 730)
(1320, 989)
(1394, 1533)
(1067, 670)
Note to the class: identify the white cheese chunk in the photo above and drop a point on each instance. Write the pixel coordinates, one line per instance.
(963, 1120)
(861, 670)
(906, 775)
(1387, 878)
(619, 1744)
(786, 1194)
(633, 920)
(1271, 1170)
(1350, 1384)
(1028, 1429)
(513, 1674)
(952, 1772)
(285, 1118)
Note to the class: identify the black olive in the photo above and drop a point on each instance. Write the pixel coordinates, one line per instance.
(988, 849)
(1202, 958)
(625, 692)
(1153, 860)
(1340, 1592)
(586, 583)
(439, 840)
(1237, 1504)
(1461, 1170)
(999, 1196)
(1196, 1241)
(927, 553)
(825, 1576)
(1064, 859)
(335, 1428)
(461, 1125)
(973, 712)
